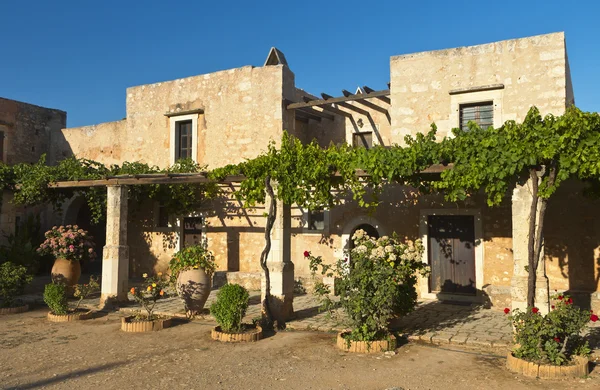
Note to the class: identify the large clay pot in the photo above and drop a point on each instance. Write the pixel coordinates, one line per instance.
(66, 271)
(193, 286)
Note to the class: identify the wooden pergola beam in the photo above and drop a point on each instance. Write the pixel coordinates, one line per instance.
(304, 114)
(382, 98)
(188, 178)
(313, 112)
(359, 110)
(366, 103)
(319, 102)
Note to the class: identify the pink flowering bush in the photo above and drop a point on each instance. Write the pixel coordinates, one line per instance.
(68, 242)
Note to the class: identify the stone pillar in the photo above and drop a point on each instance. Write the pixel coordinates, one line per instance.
(281, 268)
(115, 260)
(521, 207)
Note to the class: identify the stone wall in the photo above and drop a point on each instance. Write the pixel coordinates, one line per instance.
(532, 71)
(27, 132)
(104, 142)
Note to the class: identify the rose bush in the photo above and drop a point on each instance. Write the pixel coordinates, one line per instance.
(68, 242)
(377, 282)
(553, 338)
(151, 291)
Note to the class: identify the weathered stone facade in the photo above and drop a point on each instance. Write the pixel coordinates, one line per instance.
(25, 134)
(235, 113)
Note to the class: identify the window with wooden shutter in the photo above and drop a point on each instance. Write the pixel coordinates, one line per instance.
(364, 139)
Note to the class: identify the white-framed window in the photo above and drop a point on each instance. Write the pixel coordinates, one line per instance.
(184, 137)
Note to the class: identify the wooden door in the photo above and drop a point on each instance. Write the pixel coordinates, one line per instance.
(451, 249)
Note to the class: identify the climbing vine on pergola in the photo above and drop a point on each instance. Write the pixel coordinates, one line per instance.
(553, 148)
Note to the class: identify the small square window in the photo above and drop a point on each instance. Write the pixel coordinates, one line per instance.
(316, 219)
(364, 139)
(480, 113)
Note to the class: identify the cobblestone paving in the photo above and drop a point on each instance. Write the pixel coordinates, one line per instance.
(431, 322)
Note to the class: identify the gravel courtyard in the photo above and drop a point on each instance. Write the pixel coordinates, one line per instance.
(96, 354)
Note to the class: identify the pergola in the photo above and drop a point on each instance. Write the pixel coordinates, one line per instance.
(329, 105)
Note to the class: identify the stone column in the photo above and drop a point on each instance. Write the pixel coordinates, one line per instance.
(281, 268)
(115, 260)
(521, 207)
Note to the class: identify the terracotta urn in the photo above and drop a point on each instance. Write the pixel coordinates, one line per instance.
(193, 287)
(66, 271)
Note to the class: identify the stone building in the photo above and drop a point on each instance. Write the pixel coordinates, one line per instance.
(228, 116)
(25, 132)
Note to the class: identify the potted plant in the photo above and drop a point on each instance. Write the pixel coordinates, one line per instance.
(13, 280)
(229, 310)
(551, 345)
(69, 245)
(192, 269)
(376, 284)
(55, 296)
(151, 291)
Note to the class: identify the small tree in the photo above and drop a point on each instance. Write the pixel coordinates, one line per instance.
(546, 151)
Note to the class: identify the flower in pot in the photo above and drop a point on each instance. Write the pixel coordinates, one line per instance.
(55, 296)
(376, 282)
(69, 245)
(13, 280)
(554, 339)
(229, 310)
(151, 290)
(192, 269)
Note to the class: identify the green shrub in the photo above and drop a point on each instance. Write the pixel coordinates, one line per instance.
(55, 296)
(13, 280)
(230, 307)
(20, 247)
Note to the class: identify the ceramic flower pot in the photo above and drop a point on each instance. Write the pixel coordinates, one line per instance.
(66, 271)
(193, 287)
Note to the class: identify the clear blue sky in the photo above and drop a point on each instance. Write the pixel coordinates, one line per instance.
(80, 56)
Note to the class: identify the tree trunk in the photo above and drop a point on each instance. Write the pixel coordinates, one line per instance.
(536, 236)
(267, 317)
(532, 268)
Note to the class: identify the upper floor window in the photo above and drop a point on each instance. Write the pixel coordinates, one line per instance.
(480, 113)
(184, 137)
(183, 147)
(363, 139)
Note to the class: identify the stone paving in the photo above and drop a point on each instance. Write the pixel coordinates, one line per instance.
(431, 322)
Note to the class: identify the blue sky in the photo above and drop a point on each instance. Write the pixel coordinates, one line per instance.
(80, 56)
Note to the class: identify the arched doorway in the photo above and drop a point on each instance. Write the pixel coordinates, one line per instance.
(368, 228)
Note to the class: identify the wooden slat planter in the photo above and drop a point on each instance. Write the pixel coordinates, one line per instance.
(546, 371)
(248, 336)
(365, 346)
(78, 316)
(14, 310)
(127, 325)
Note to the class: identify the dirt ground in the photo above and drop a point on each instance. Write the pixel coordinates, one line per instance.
(96, 354)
